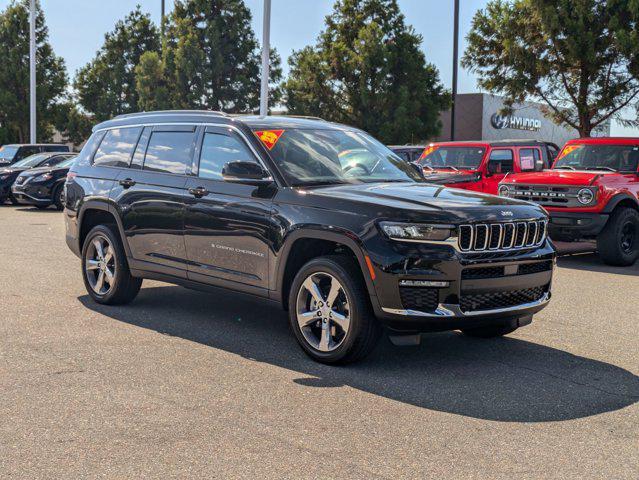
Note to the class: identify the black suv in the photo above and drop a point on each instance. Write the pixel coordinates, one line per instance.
(43, 186)
(316, 216)
(15, 152)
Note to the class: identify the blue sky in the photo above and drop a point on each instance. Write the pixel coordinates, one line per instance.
(77, 28)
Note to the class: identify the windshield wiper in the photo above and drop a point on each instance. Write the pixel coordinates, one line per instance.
(566, 167)
(601, 168)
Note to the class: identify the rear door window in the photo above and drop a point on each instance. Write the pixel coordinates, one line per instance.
(170, 151)
(530, 160)
(117, 147)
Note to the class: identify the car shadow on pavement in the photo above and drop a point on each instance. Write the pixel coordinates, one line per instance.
(506, 379)
(592, 263)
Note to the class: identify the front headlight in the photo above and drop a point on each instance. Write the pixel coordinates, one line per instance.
(504, 191)
(585, 196)
(416, 232)
(42, 178)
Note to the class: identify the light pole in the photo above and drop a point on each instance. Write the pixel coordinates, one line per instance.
(162, 20)
(266, 50)
(32, 72)
(455, 55)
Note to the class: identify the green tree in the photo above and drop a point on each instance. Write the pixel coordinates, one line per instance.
(210, 58)
(576, 56)
(106, 86)
(74, 125)
(150, 80)
(368, 70)
(14, 75)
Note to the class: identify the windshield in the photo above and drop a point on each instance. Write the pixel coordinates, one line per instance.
(624, 158)
(311, 157)
(66, 163)
(31, 161)
(8, 152)
(467, 158)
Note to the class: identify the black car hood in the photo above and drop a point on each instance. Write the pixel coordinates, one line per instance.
(4, 171)
(424, 201)
(451, 178)
(33, 172)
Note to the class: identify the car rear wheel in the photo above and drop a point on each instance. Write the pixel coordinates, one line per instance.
(105, 270)
(489, 332)
(330, 312)
(618, 243)
(13, 200)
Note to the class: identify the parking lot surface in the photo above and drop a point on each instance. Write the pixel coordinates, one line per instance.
(187, 384)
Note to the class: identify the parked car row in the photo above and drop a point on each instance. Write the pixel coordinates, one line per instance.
(37, 179)
(590, 189)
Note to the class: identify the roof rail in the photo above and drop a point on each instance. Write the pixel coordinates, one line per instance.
(179, 112)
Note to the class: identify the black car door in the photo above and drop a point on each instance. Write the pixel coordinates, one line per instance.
(227, 224)
(150, 196)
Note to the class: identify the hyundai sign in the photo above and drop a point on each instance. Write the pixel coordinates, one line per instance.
(512, 121)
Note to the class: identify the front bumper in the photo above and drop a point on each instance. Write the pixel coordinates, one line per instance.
(31, 194)
(576, 225)
(473, 290)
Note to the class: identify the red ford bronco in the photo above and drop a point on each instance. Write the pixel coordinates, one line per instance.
(591, 192)
(478, 166)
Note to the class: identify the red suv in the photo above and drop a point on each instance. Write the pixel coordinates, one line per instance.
(591, 192)
(481, 165)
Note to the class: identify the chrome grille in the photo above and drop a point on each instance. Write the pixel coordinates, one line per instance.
(483, 237)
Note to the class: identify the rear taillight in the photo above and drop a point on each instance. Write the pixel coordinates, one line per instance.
(71, 176)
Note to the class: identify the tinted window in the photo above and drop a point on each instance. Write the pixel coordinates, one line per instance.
(55, 148)
(53, 161)
(530, 160)
(25, 152)
(624, 158)
(437, 156)
(169, 152)
(218, 150)
(117, 147)
(501, 161)
(404, 155)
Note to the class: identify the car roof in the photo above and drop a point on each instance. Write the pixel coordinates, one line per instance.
(605, 141)
(206, 116)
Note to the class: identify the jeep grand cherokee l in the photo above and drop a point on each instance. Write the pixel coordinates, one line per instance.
(316, 216)
(591, 192)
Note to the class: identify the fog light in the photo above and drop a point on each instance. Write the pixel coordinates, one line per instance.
(423, 283)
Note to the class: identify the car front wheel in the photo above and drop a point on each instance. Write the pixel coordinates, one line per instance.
(105, 269)
(618, 243)
(330, 312)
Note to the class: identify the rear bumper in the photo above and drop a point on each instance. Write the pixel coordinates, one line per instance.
(576, 225)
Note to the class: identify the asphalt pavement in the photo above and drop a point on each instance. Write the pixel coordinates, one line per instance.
(182, 384)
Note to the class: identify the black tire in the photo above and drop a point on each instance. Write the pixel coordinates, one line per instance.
(489, 332)
(364, 330)
(124, 287)
(58, 197)
(13, 200)
(618, 243)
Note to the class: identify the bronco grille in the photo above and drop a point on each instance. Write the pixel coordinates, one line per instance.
(501, 236)
(494, 300)
(553, 196)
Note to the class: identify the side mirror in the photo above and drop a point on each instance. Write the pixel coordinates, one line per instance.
(417, 167)
(248, 173)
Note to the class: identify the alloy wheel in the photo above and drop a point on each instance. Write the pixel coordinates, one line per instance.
(323, 312)
(100, 265)
(628, 234)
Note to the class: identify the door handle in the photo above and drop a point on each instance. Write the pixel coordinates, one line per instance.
(198, 192)
(127, 182)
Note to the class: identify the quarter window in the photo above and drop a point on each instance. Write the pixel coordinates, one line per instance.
(169, 152)
(218, 150)
(117, 147)
(529, 160)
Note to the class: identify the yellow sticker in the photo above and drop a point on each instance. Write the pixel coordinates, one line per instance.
(269, 137)
(567, 149)
(427, 151)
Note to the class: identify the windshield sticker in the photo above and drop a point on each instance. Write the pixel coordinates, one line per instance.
(567, 149)
(269, 137)
(427, 151)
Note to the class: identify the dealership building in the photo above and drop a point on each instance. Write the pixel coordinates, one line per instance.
(478, 117)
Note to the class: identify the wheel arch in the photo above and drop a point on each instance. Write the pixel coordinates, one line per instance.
(306, 244)
(621, 200)
(95, 212)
